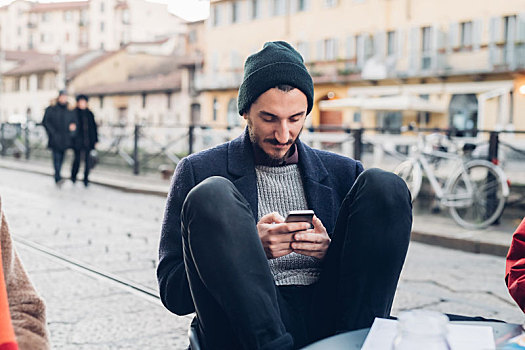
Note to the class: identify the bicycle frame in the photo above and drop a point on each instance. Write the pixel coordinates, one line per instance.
(421, 158)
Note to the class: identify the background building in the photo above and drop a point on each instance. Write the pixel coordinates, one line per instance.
(76, 26)
(438, 63)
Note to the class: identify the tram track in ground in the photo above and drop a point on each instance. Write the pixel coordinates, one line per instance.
(138, 289)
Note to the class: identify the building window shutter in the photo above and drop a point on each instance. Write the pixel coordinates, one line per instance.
(520, 32)
(400, 37)
(360, 54)
(293, 6)
(320, 49)
(350, 47)
(414, 44)
(380, 45)
(453, 36)
(496, 34)
(477, 32)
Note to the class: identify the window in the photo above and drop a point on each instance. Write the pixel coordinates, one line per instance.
(125, 16)
(67, 37)
(168, 99)
(330, 49)
(102, 26)
(68, 16)
(101, 100)
(216, 15)
(303, 49)
(509, 27)
(235, 12)
(391, 43)
(466, 34)
(357, 117)
(279, 8)
(40, 81)
(192, 36)
(426, 39)
(255, 9)
(215, 109)
(144, 100)
(102, 7)
(301, 5)
(233, 115)
(19, 31)
(45, 17)
(330, 3)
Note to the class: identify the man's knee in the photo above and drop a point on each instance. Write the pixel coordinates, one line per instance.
(383, 186)
(207, 195)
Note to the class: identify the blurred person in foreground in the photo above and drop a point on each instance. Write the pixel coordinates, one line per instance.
(86, 137)
(254, 281)
(60, 124)
(515, 267)
(22, 311)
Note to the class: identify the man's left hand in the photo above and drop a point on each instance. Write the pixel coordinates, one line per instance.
(314, 242)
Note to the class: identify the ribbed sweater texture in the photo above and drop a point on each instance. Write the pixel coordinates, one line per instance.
(280, 189)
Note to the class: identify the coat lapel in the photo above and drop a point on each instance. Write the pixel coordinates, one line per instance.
(316, 179)
(242, 168)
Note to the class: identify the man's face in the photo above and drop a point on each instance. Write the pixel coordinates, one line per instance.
(82, 104)
(62, 99)
(276, 119)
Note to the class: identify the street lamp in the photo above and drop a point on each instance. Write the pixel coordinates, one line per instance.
(521, 89)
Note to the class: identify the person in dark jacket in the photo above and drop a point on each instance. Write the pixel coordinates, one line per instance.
(86, 137)
(226, 252)
(60, 124)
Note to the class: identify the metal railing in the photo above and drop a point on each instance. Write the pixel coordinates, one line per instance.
(142, 147)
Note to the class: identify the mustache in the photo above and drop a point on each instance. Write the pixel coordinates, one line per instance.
(276, 143)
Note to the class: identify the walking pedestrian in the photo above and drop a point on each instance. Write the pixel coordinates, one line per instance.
(86, 137)
(226, 252)
(60, 124)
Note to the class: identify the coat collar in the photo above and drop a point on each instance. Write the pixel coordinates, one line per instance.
(315, 176)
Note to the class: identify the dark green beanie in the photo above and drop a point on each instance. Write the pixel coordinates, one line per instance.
(277, 63)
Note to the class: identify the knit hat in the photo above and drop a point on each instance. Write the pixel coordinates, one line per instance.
(277, 63)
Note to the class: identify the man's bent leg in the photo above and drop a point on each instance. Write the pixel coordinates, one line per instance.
(369, 245)
(230, 281)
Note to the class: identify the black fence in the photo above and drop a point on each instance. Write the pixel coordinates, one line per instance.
(140, 148)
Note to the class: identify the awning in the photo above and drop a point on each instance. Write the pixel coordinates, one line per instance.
(388, 103)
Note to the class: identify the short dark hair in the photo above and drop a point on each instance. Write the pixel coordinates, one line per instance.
(285, 87)
(82, 97)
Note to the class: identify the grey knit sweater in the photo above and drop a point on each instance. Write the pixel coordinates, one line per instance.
(280, 189)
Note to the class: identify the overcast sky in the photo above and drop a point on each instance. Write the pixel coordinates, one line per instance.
(190, 10)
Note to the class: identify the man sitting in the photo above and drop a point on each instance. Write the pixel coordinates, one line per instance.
(254, 281)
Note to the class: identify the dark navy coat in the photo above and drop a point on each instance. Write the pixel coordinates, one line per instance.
(327, 178)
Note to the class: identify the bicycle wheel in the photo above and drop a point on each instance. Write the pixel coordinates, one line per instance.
(477, 195)
(410, 171)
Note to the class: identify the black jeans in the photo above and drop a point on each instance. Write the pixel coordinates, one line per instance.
(80, 154)
(58, 159)
(237, 303)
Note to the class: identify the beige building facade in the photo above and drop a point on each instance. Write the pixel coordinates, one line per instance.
(388, 63)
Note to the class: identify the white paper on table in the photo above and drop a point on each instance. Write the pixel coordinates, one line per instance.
(460, 337)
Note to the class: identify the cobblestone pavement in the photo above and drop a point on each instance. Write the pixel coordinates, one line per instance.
(118, 232)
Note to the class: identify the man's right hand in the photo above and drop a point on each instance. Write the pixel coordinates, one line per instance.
(276, 235)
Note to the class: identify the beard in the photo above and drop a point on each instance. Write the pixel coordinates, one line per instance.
(256, 141)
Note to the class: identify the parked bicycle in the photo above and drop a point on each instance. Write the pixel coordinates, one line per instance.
(474, 190)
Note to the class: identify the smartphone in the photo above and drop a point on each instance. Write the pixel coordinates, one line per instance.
(300, 216)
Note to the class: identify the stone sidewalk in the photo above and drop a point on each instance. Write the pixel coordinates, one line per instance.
(435, 229)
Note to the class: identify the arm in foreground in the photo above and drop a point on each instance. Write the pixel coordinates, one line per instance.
(515, 266)
(27, 309)
(171, 272)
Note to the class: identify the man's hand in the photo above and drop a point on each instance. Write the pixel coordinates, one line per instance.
(314, 242)
(277, 236)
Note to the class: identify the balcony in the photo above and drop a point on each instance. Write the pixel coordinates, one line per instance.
(218, 81)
